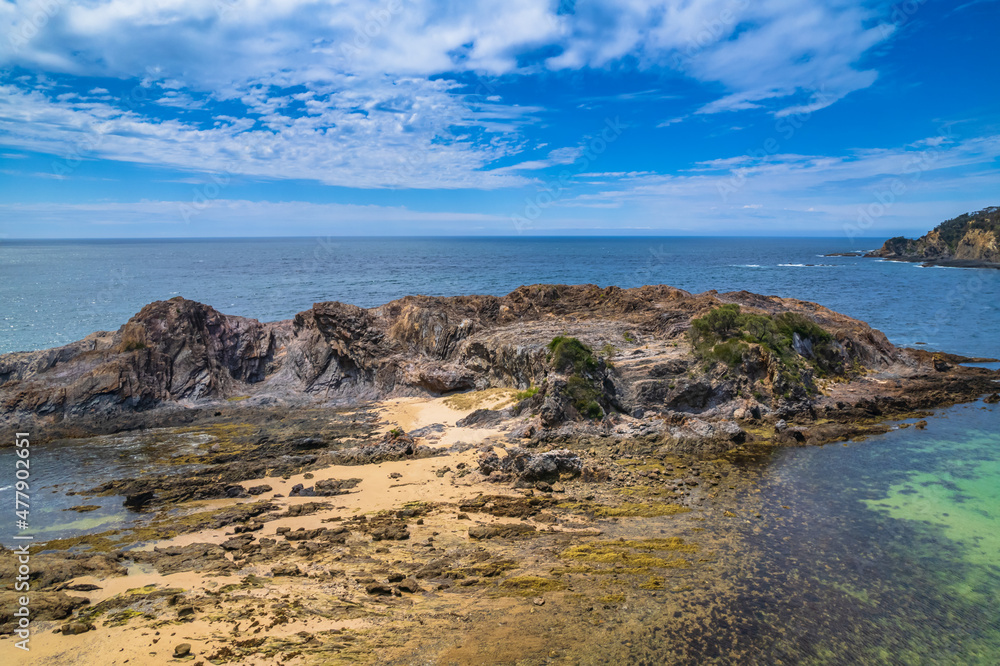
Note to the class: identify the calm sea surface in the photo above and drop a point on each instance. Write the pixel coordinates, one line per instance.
(52, 293)
(882, 551)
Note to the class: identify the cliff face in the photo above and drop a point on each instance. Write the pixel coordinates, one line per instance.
(183, 353)
(968, 240)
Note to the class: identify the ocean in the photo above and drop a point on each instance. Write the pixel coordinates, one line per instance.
(55, 292)
(877, 551)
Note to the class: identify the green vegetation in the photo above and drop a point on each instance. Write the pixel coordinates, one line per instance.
(608, 353)
(529, 586)
(577, 359)
(952, 231)
(570, 354)
(628, 336)
(626, 509)
(726, 333)
(585, 397)
(524, 395)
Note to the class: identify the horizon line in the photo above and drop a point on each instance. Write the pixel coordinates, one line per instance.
(428, 237)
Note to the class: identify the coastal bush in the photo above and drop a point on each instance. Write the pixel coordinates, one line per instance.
(721, 323)
(569, 355)
(722, 335)
(729, 352)
(566, 353)
(952, 231)
(584, 396)
(608, 353)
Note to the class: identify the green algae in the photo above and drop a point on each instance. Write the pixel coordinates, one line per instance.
(626, 509)
(634, 555)
(528, 586)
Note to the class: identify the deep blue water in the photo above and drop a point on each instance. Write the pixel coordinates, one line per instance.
(54, 292)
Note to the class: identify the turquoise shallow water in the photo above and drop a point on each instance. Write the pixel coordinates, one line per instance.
(882, 551)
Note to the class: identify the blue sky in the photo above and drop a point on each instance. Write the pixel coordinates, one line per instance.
(182, 118)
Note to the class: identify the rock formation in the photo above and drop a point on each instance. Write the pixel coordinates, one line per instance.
(969, 240)
(622, 350)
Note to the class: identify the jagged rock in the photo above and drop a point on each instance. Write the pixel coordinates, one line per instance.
(299, 490)
(238, 543)
(50, 569)
(139, 500)
(390, 447)
(970, 240)
(302, 534)
(483, 418)
(204, 557)
(500, 531)
(703, 437)
(74, 628)
(429, 431)
(523, 431)
(252, 527)
(395, 531)
(409, 585)
(43, 606)
(552, 413)
(181, 352)
(331, 487)
(526, 466)
(286, 570)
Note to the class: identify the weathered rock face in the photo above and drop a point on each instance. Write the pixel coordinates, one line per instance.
(180, 352)
(972, 240)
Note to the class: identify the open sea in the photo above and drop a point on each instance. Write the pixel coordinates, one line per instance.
(881, 551)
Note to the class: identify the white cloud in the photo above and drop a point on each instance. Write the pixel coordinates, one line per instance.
(373, 98)
(910, 186)
(402, 138)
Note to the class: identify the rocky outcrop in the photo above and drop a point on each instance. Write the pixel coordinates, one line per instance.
(971, 240)
(180, 354)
